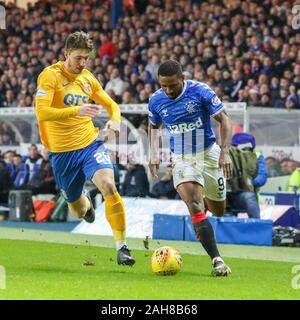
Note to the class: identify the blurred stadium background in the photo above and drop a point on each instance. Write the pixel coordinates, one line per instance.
(247, 51)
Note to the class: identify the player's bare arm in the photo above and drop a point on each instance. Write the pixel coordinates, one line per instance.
(153, 137)
(226, 132)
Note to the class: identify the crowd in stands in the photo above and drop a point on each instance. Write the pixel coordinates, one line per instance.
(7, 135)
(246, 50)
(285, 166)
(32, 172)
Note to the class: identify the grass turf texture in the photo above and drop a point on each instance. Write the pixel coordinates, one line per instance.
(80, 270)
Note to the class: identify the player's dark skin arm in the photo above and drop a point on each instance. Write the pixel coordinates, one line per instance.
(153, 137)
(226, 133)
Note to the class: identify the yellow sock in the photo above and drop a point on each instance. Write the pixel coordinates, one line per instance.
(115, 215)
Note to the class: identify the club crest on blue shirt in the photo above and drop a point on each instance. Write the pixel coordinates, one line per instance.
(191, 107)
(188, 114)
(215, 101)
(164, 112)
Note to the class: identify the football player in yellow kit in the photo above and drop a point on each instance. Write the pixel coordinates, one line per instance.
(65, 123)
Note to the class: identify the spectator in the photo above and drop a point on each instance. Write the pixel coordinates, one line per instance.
(143, 96)
(246, 141)
(287, 166)
(253, 97)
(281, 100)
(21, 172)
(152, 66)
(45, 154)
(292, 102)
(116, 84)
(265, 100)
(8, 156)
(6, 139)
(294, 182)
(127, 98)
(7, 135)
(273, 166)
(107, 48)
(10, 101)
(34, 160)
(136, 183)
(6, 183)
(236, 84)
(274, 87)
(164, 189)
(43, 181)
(187, 75)
(248, 199)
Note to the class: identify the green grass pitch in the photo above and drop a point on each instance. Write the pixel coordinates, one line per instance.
(81, 269)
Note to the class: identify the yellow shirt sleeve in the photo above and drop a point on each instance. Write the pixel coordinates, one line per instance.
(102, 98)
(45, 91)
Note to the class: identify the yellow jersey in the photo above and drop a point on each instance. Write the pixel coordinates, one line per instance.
(59, 94)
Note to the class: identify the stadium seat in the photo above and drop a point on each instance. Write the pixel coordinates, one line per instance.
(4, 211)
(11, 169)
(168, 227)
(235, 211)
(22, 175)
(232, 230)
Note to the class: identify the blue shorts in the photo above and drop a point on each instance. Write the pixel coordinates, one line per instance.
(71, 169)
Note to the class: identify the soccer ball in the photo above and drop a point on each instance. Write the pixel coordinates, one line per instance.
(166, 261)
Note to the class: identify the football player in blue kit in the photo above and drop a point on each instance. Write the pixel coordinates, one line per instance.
(200, 165)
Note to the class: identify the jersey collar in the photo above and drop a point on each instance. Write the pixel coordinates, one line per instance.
(183, 90)
(69, 75)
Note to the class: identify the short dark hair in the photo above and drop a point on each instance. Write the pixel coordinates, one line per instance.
(285, 160)
(79, 40)
(271, 158)
(170, 68)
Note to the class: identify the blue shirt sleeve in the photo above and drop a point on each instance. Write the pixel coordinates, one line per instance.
(262, 172)
(211, 100)
(154, 117)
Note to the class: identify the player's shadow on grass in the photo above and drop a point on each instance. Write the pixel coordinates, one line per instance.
(117, 271)
(197, 274)
(78, 269)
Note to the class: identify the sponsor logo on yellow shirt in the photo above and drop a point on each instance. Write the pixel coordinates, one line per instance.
(75, 99)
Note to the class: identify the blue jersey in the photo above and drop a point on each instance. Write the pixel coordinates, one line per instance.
(186, 118)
